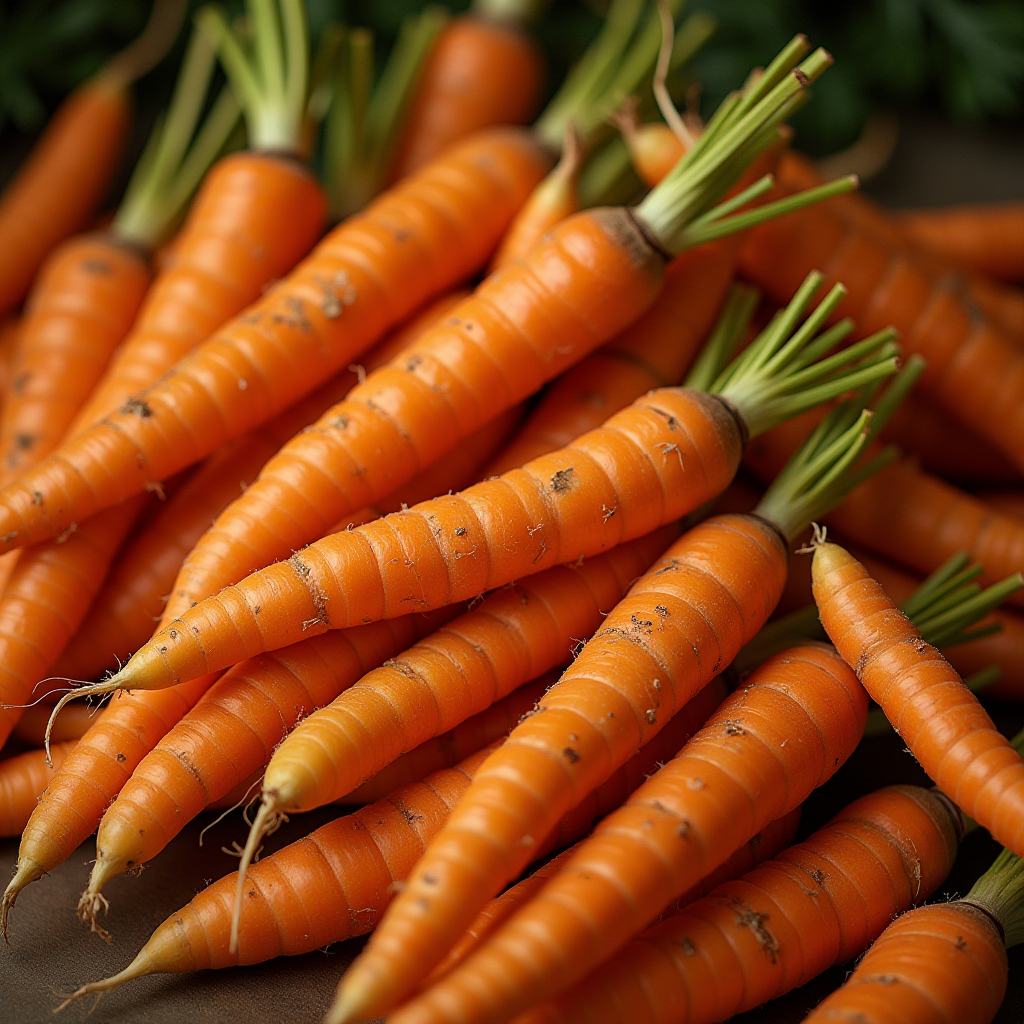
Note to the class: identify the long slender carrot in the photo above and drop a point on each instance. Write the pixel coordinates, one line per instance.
(483, 70)
(941, 721)
(91, 776)
(350, 867)
(507, 309)
(22, 778)
(673, 450)
(941, 963)
(987, 239)
(32, 727)
(816, 904)
(769, 842)
(682, 623)
(798, 717)
(70, 169)
(231, 732)
(973, 371)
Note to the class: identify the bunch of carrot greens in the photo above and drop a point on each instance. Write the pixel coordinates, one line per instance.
(447, 514)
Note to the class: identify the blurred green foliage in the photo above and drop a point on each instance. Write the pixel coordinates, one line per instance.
(965, 56)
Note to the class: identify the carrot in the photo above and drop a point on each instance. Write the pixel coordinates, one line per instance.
(22, 778)
(513, 636)
(654, 149)
(941, 721)
(69, 171)
(134, 596)
(815, 905)
(731, 780)
(9, 329)
(350, 868)
(1000, 303)
(940, 963)
(639, 471)
(91, 776)
(231, 732)
(765, 845)
(554, 199)
(1007, 503)
(73, 726)
(974, 371)
(682, 623)
(483, 70)
(291, 358)
(987, 239)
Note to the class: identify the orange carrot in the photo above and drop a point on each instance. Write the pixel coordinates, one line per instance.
(815, 905)
(1000, 303)
(91, 776)
(682, 622)
(9, 329)
(986, 239)
(72, 726)
(69, 171)
(483, 70)
(350, 868)
(798, 717)
(231, 732)
(940, 720)
(1007, 503)
(766, 844)
(941, 963)
(22, 779)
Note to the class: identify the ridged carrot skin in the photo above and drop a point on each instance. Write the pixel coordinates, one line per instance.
(347, 869)
(92, 775)
(935, 965)
(232, 731)
(987, 239)
(254, 217)
(654, 352)
(424, 235)
(511, 637)
(670, 452)
(815, 905)
(766, 844)
(479, 73)
(940, 720)
(9, 330)
(796, 720)
(81, 308)
(22, 778)
(681, 623)
(592, 277)
(61, 183)
(973, 370)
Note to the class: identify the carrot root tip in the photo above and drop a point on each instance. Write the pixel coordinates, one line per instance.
(27, 871)
(89, 907)
(819, 536)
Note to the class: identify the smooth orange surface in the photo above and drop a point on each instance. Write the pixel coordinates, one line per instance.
(22, 779)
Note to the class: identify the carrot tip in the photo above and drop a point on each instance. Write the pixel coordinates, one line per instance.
(819, 536)
(89, 906)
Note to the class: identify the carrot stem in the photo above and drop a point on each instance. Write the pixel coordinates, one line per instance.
(732, 324)
(1000, 892)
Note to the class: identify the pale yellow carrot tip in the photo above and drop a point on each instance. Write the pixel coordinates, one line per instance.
(89, 906)
(267, 821)
(26, 872)
(91, 690)
(104, 985)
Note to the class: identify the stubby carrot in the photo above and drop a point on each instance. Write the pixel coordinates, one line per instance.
(941, 721)
(817, 904)
(69, 171)
(22, 778)
(941, 963)
(351, 868)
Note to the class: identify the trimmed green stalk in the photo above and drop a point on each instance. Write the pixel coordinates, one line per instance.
(515, 13)
(1000, 893)
(733, 323)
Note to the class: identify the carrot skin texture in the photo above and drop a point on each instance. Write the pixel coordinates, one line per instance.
(935, 965)
(759, 936)
(973, 370)
(940, 720)
(718, 584)
(232, 731)
(653, 352)
(424, 235)
(513, 636)
(799, 716)
(82, 306)
(348, 868)
(479, 73)
(22, 779)
(650, 464)
(61, 183)
(592, 276)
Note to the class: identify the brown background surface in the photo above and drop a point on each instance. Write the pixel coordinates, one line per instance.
(934, 165)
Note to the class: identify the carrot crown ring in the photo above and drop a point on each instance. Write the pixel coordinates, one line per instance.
(999, 892)
(270, 79)
(177, 156)
(362, 118)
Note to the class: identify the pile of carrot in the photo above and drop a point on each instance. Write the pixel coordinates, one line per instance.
(370, 457)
